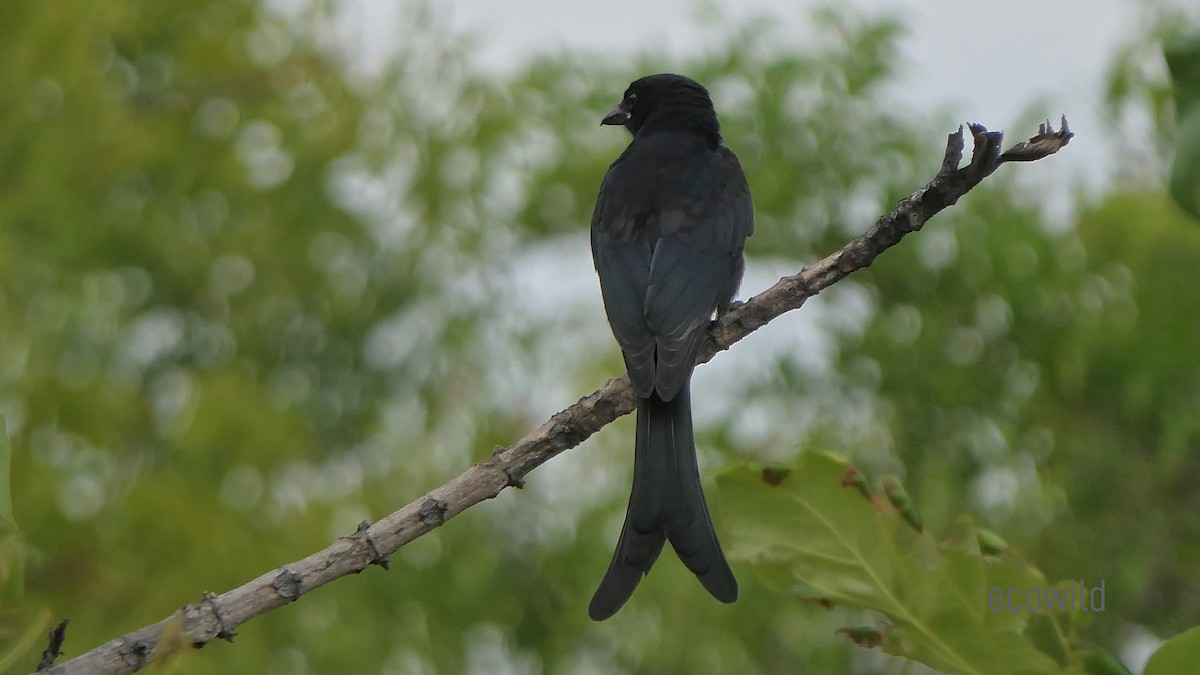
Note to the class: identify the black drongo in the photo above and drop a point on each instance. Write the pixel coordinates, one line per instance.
(668, 231)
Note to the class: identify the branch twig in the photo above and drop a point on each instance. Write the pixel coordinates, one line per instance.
(54, 649)
(216, 616)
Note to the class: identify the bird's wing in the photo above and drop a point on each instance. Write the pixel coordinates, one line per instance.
(683, 290)
(663, 270)
(696, 265)
(624, 271)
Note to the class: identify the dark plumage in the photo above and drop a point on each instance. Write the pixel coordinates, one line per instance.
(668, 232)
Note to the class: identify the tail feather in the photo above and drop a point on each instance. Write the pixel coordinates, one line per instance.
(665, 504)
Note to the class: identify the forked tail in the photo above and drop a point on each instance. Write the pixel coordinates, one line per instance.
(666, 504)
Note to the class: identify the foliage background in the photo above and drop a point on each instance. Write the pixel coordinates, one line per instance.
(250, 296)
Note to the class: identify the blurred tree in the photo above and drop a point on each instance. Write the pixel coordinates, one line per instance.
(251, 294)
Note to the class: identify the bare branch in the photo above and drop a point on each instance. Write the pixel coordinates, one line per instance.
(54, 649)
(216, 616)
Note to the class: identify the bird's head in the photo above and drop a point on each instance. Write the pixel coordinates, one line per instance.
(666, 102)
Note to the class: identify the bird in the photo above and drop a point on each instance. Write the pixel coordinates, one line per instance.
(668, 235)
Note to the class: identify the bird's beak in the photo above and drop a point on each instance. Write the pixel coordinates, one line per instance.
(618, 116)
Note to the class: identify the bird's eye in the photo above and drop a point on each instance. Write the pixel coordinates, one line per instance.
(632, 98)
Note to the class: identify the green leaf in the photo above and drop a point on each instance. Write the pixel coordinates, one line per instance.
(12, 551)
(7, 522)
(1180, 654)
(814, 535)
(1185, 172)
(1183, 62)
(1098, 662)
(26, 644)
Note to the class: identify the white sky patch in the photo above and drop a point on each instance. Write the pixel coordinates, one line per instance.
(995, 64)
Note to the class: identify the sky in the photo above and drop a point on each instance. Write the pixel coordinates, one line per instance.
(988, 62)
